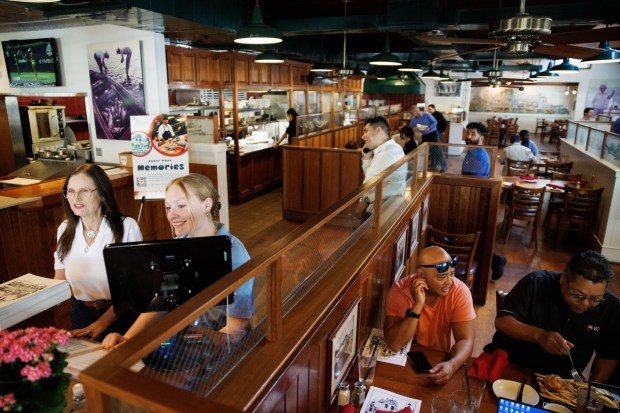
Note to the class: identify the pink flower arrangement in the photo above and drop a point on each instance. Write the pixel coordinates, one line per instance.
(27, 356)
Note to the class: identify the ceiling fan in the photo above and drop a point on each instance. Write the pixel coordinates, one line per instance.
(494, 78)
(522, 33)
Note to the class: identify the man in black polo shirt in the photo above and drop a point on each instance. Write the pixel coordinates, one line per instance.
(549, 313)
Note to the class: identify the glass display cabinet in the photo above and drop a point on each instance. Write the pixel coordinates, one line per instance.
(312, 123)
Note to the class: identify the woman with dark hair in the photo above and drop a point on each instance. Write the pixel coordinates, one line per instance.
(192, 204)
(93, 220)
(291, 131)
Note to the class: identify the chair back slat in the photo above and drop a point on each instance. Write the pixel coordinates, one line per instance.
(460, 245)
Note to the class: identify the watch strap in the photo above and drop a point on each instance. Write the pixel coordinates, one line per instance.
(410, 313)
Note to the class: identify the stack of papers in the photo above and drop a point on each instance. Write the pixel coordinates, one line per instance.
(81, 353)
(29, 295)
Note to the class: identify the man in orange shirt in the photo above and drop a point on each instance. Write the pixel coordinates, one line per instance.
(435, 309)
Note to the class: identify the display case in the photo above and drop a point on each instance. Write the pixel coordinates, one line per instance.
(299, 101)
(367, 113)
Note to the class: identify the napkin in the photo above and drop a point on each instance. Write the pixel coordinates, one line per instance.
(555, 186)
(489, 367)
(405, 410)
(581, 181)
(348, 408)
(529, 178)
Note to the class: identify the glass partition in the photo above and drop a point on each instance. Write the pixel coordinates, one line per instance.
(299, 101)
(314, 103)
(313, 123)
(383, 110)
(326, 101)
(339, 119)
(350, 117)
(596, 139)
(612, 149)
(367, 113)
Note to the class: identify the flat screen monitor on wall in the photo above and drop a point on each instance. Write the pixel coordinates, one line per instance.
(32, 63)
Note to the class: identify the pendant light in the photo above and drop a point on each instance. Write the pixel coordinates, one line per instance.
(258, 32)
(547, 72)
(565, 67)
(385, 58)
(321, 66)
(268, 57)
(431, 74)
(410, 65)
(608, 55)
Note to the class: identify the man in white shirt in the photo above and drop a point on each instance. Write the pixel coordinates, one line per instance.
(515, 152)
(379, 152)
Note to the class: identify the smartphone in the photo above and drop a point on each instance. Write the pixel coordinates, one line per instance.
(419, 361)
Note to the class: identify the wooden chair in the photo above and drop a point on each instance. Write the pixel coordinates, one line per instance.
(540, 125)
(518, 168)
(580, 210)
(563, 167)
(556, 200)
(458, 245)
(525, 205)
(546, 131)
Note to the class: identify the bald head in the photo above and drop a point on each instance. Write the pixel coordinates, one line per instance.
(433, 255)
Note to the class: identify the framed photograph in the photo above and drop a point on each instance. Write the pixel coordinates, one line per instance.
(425, 212)
(342, 349)
(414, 231)
(400, 252)
(448, 89)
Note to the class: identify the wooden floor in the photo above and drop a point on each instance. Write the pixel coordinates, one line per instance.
(258, 223)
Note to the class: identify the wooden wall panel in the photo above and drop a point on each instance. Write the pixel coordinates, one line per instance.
(330, 187)
(311, 185)
(292, 185)
(351, 175)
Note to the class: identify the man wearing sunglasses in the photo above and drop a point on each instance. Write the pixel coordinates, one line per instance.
(434, 308)
(548, 313)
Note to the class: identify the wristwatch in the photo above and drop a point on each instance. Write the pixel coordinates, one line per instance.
(410, 313)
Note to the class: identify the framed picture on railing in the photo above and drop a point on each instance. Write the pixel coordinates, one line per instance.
(342, 349)
(400, 252)
(414, 231)
(425, 212)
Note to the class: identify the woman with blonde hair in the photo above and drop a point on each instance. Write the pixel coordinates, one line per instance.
(192, 204)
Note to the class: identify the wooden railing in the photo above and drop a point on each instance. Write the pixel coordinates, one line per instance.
(288, 365)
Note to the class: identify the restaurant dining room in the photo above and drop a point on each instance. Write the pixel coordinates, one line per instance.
(476, 270)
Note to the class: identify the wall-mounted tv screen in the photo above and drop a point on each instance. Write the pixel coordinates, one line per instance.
(32, 63)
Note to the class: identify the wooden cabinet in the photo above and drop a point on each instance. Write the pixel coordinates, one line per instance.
(260, 74)
(207, 70)
(281, 74)
(181, 66)
(242, 71)
(300, 75)
(226, 70)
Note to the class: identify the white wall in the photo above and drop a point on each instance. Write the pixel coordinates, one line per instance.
(72, 46)
(586, 79)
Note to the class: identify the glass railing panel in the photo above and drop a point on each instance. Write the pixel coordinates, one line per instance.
(595, 144)
(200, 356)
(612, 149)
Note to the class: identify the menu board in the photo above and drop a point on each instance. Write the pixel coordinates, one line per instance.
(160, 153)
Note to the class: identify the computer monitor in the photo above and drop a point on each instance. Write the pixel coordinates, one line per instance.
(161, 275)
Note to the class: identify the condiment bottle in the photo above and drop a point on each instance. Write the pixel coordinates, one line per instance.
(359, 394)
(344, 394)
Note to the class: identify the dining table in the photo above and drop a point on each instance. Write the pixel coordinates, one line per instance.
(405, 381)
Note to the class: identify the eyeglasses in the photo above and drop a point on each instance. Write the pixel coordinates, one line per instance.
(82, 193)
(580, 297)
(443, 266)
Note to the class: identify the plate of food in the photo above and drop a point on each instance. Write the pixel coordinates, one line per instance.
(509, 389)
(555, 407)
(564, 391)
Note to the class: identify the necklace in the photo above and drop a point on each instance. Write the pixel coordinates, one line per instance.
(91, 233)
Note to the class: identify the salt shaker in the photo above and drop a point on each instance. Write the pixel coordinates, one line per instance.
(359, 394)
(344, 394)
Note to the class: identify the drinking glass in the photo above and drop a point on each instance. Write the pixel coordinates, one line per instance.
(439, 405)
(367, 364)
(587, 406)
(476, 390)
(462, 402)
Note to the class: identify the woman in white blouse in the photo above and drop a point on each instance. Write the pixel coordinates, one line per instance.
(93, 220)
